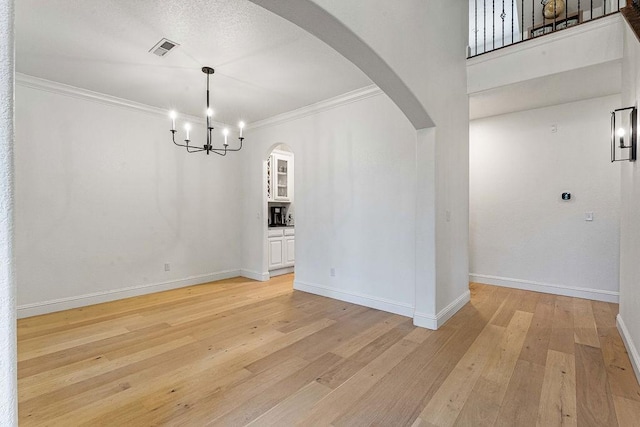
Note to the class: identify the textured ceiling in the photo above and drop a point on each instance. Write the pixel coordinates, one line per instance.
(264, 64)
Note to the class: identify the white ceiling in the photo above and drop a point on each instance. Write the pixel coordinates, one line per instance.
(264, 64)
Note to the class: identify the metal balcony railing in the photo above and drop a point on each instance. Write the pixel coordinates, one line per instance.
(494, 24)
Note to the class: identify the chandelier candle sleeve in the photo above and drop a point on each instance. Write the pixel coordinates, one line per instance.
(208, 146)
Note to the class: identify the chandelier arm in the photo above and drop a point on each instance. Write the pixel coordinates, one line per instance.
(215, 151)
(190, 149)
(236, 149)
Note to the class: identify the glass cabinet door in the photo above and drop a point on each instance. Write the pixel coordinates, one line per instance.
(282, 181)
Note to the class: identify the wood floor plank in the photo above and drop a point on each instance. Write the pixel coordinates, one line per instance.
(522, 399)
(289, 411)
(562, 331)
(584, 323)
(602, 314)
(558, 399)
(618, 365)
(258, 405)
(446, 404)
(414, 381)
(594, 400)
(536, 343)
(627, 411)
(341, 399)
(488, 393)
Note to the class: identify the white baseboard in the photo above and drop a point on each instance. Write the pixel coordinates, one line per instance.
(44, 307)
(434, 322)
(254, 275)
(632, 350)
(528, 285)
(281, 271)
(383, 304)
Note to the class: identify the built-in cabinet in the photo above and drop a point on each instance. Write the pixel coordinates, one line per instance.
(281, 247)
(279, 176)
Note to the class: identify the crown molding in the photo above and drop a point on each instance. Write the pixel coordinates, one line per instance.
(327, 104)
(45, 85)
(38, 83)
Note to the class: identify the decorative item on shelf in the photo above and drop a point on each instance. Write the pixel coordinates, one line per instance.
(624, 134)
(552, 8)
(208, 147)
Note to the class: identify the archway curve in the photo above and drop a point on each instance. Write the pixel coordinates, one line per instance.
(317, 21)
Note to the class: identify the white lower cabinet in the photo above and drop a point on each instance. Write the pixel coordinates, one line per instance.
(281, 248)
(276, 249)
(289, 250)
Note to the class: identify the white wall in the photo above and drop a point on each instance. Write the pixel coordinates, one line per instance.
(355, 174)
(104, 200)
(8, 377)
(521, 232)
(629, 318)
(432, 63)
(423, 68)
(585, 45)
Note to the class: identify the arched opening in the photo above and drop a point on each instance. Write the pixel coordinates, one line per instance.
(278, 249)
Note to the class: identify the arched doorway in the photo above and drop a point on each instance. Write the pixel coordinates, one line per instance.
(279, 210)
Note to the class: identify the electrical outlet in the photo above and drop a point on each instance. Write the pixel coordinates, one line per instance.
(554, 128)
(332, 272)
(588, 216)
(167, 267)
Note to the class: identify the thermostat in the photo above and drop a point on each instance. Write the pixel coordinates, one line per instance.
(566, 196)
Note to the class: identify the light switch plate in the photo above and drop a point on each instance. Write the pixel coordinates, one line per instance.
(588, 216)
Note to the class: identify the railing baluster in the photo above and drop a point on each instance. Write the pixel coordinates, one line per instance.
(493, 24)
(484, 27)
(475, 29)
(591, 16)
(579, 11)
(522, 19)
(533, 17)
(512, 9)
(502, 16)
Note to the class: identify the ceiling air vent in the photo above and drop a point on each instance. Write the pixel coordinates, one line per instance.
(163, 47)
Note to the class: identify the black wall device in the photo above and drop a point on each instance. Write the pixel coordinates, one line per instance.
(566, 196)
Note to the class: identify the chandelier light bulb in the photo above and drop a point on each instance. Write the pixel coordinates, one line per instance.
(187, 127)
(241, 126)
(173, 115)
(620, 132)
(225, 132)
(209, 112)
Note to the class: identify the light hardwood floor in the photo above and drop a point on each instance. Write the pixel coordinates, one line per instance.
(240, 352)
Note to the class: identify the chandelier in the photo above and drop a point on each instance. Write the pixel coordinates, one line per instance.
(208, 147)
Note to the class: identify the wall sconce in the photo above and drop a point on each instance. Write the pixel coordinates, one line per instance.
(624, 134)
